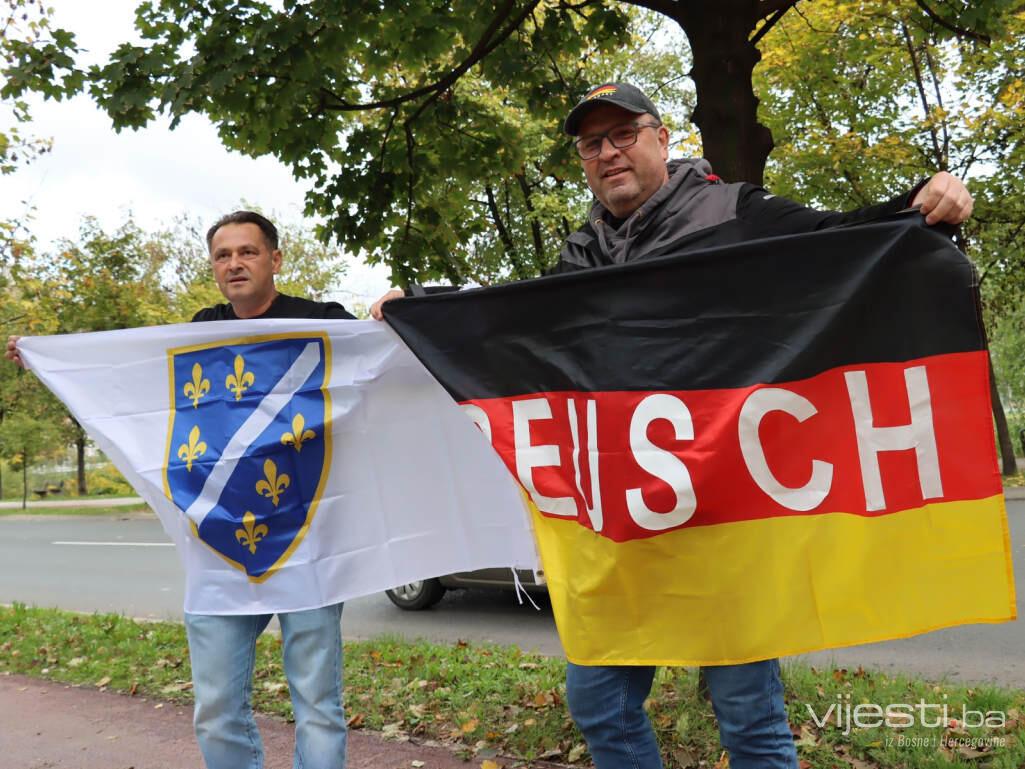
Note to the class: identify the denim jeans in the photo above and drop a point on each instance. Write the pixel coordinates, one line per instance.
(223, 653)
(606, 703)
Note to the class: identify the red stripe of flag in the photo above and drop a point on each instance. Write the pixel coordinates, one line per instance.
(724, 484)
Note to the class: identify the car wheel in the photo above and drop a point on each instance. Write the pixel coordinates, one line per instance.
(414, 596)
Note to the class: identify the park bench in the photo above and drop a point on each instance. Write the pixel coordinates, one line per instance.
(49, 488)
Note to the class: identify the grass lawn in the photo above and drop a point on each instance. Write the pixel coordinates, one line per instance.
(113, 511)
(487, 700)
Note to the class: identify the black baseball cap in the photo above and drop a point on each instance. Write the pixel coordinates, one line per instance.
(629, 97)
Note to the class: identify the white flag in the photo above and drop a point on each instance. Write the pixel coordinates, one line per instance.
(295, 463)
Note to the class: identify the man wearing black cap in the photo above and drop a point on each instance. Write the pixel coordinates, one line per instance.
(647, 205)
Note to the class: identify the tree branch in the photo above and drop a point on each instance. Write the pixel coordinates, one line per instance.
(959, 31)
(667, 7)
(939, 102)
(384, 141)
(769, 7)
(535, 225)
(496, 217)
(777, 14)
(920, 83)
(487, 43)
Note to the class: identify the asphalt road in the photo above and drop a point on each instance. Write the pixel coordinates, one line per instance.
(131, 568)
(43, 561)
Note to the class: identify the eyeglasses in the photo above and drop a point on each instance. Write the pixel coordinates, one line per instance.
(620, 137)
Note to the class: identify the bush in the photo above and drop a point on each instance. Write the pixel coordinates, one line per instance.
(105, 480)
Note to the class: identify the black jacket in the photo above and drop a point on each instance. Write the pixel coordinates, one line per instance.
(696, 210)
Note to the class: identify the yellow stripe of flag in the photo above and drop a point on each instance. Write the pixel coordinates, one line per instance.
(739, 592)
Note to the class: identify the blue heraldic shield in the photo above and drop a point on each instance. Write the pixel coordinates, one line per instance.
(248, 445)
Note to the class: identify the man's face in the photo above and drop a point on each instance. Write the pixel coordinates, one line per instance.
(622, 179)
(244, 266)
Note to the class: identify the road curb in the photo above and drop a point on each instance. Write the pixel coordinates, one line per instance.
(1014, 492)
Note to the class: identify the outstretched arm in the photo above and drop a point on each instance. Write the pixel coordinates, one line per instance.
(943, 198)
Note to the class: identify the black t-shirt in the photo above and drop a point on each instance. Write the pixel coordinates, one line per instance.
(283, 306)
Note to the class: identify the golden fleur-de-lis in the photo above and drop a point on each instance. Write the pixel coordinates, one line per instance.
(241, 380)
(194, 448)
(250, 533)
(274, 485)
(198, 387)
(299, 435)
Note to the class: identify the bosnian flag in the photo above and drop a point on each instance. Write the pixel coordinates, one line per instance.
(295, 463)
(744, 452)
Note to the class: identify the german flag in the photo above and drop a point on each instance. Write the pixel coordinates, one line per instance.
(744, 452)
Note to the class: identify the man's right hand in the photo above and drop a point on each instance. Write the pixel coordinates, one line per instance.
(12, 351)
(375, 308)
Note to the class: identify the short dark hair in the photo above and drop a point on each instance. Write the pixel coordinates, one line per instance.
(270, 232)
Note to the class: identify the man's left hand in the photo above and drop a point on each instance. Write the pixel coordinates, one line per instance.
(944, 198)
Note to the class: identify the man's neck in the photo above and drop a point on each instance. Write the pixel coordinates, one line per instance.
(254, 310)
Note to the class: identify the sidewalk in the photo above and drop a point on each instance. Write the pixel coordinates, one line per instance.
(45, 725)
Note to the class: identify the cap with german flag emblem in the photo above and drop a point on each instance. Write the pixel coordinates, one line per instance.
(623, 95)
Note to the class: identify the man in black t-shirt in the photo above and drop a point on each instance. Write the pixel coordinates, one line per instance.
(245, 258)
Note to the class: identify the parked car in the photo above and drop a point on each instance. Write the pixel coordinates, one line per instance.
(423, 594)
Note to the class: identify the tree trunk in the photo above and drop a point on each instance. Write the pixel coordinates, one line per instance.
(80, 452)
(24, 483)
(733, 140)
(1007, 464)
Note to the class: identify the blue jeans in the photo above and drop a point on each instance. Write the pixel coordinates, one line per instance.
(223, 653)
(606, 703)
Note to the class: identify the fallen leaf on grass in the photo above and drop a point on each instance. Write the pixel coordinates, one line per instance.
(394, 732)
(685, 758)
(180, 686)
(967, 751)
(102, 682)
(808, 737)
(576, 752)
(356, 721)
(489, 764)
(854, 763)
(469, 726)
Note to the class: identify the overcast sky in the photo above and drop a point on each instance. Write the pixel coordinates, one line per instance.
(155, 174)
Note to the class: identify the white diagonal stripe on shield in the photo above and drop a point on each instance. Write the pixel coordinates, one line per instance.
(251, 429)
